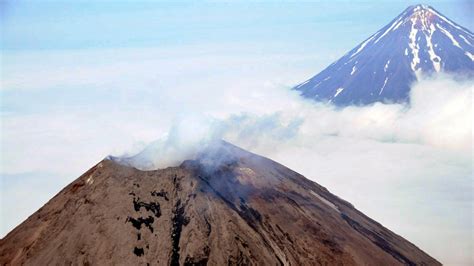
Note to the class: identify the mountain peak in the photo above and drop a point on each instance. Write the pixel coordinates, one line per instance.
(207, 211)
(419, 7)
(420, 41)
(421, 14)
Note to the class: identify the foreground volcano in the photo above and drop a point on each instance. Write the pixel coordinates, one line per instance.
(420, 41)
(226, 207)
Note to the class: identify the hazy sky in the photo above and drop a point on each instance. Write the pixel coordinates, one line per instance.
(85, 80)
(309, 26)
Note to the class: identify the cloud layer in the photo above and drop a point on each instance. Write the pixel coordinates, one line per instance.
(438, 116)
(407, 166)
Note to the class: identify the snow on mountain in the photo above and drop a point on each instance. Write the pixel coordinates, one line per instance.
(420, 41)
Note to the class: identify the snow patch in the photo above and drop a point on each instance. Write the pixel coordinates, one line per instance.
(384, 83)
(450, 36)
(420, 7)
(301, 85)
(435, 59)
(465, 40)
(317, 84)
(469, 55)
(414, 47)
(363, 45)
(445, 19)
(394, 26)
(353, 69)
(338, 91)
(386, 66)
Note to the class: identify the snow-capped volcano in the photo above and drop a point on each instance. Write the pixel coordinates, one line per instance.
(420, 41)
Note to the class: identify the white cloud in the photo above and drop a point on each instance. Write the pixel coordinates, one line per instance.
(408, 167)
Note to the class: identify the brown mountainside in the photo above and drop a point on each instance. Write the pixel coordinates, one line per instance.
(227, 207)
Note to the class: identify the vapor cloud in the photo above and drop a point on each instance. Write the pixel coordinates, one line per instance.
(407, 166)
(438, 116)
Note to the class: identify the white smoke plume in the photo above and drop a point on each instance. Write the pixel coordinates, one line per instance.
(438, 116)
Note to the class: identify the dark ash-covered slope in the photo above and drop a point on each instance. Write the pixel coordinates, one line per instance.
(228, 207)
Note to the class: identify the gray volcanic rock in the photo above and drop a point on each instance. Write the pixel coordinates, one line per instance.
(227, 207)
(420, 41)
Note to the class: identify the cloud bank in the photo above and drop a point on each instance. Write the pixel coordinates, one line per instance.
(438, 116)
(407, 166)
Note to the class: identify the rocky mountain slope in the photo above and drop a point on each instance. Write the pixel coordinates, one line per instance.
(226, 207)
(420, 41)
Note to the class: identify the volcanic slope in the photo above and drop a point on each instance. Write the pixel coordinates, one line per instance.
(225, 207)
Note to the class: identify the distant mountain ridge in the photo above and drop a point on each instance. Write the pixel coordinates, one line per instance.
(420, 41)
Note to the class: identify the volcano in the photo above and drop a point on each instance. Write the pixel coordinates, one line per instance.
(419, 42)
(226, 206)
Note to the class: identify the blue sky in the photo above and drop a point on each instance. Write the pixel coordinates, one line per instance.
(40, 25)
(84, 80)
